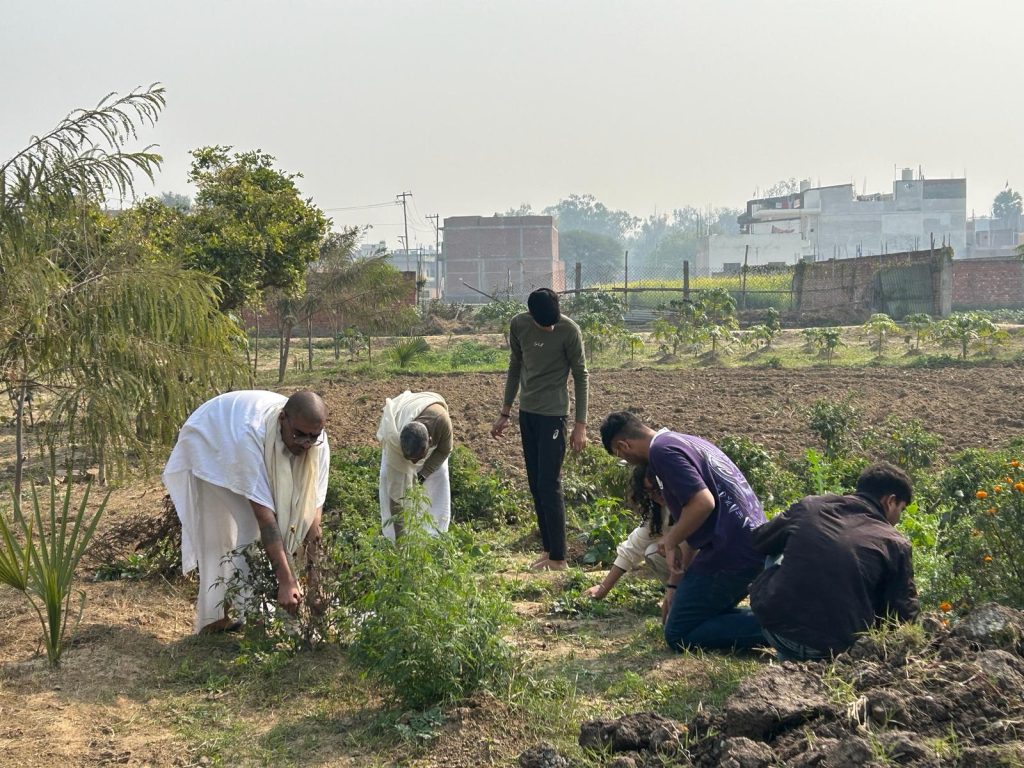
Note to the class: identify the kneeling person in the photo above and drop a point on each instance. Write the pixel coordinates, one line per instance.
(844, 567)
(416, 439)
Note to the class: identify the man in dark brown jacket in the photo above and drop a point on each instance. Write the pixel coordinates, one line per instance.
(844, 567)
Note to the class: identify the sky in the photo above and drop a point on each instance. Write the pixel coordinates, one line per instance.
(477, 106)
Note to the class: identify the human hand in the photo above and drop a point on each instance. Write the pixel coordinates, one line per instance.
(578, 439)
(596, 592)
(499, 426)
(288, 595)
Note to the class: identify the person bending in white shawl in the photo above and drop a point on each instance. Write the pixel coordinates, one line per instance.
(416, 439)
(249, 465)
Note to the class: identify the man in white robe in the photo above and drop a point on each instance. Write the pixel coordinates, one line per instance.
(249, 465)
(415, 434)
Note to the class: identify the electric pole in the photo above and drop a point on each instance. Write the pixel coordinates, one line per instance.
(437, 253)
(405, 221)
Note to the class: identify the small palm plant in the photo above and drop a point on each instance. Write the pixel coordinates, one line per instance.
(828, 341)
(42, 566)
(919, 323)
(406, 352)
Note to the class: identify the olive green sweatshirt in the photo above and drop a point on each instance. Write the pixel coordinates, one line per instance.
(539, 365)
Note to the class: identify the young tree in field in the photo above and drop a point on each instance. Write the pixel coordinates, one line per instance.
(1007, 203)
(249, 225)
(92, 310)
(880, 326)
(716, 313)
(96, 315)
(601, 318)
(828, 340)
(498, 314)
(919, 324)
(962, 328)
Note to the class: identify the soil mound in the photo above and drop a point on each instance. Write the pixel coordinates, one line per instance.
(923, 695)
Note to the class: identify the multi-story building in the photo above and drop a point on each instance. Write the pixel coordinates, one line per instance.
(820, 223)
(500, 254)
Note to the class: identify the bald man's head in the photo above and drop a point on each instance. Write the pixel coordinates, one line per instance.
(306, 405)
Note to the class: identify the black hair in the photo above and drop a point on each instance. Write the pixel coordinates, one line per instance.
(543, 306)
(882, 479)
(622, 422)
(640, 499)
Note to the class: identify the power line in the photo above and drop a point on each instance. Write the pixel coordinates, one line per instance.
(387, 204)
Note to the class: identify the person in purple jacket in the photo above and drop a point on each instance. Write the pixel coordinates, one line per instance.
(714, 513)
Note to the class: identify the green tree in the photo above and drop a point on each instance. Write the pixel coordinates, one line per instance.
(961, 329)
(601, 318)
(602, 257)
(585, 213)
(92, 310)
(919, 324)
(250, 226)
(880, 326)
(715, 317)
(1007, 203)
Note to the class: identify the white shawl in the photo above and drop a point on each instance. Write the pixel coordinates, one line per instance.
(399, 411)
(292, 482)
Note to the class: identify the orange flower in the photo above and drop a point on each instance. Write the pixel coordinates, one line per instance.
(1019, 487)
(945, 622)
(987, 559)
(1009, 480)
(981, 495)
(991, 511)
(997, 489)
(1014, 463)
(945, 606)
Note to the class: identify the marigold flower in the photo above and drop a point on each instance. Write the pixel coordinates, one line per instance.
(1015, 463)
(945, 622)
(1009, 480)
(997, 489)
(981, 495)
(1019, 487)
(991, 511)
(987, 559)
(945, 606)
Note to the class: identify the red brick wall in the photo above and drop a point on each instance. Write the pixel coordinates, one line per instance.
(988, 283)
(848, 284)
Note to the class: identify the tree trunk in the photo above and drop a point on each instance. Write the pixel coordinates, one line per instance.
(309, 339)
(19, 431)
(286, 342)
(256, 356)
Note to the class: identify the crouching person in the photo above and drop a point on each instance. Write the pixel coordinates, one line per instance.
(416, 440)
(714, 513)
(844, 567)
(641, 546)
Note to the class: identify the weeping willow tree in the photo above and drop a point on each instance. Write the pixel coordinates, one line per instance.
(97, 320)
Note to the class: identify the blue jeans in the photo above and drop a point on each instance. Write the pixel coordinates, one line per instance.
(790, 650)
(703, 613)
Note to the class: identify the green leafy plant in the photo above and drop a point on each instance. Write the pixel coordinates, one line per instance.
(424, 626)
(43, 565)
(919, 323)
(406, 352)
(834, 423)
(481, 497)
(773, 485)
(472, 353)
(962, 328)
(607, 523)
(906, 443)
(880, 326)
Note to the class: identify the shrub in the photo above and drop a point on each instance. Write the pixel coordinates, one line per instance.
(834, 423)
(352, 487)
(480, 497)
(594, 474)
(906, 443)
(408, 351)
(425, 628)
(607, 522)
(470, 353)
(774, 486)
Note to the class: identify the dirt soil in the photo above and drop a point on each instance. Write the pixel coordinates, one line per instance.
(967, 407)
(927, 697)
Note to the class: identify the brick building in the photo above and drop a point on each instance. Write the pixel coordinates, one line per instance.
(500, 253)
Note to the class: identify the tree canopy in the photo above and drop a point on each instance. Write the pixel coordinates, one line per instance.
(1007, 203)
(250, 226)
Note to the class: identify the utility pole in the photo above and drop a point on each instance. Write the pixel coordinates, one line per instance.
(437, 252)
(405, 222)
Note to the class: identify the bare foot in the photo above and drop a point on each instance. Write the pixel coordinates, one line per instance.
(543, 559)
(221, 625)
(551, 565)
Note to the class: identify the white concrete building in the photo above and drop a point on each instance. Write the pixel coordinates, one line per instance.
(823, 223)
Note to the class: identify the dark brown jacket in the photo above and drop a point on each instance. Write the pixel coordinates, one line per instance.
(844, 568)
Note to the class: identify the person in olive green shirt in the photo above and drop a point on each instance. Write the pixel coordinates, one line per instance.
(416, 440)
(545, 347)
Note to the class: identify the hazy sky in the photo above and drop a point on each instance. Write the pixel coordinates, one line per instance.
(478, 106)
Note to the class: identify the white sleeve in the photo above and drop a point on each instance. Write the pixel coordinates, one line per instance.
(323, 472)
(631, 551)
